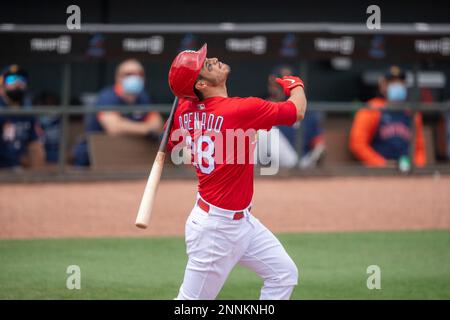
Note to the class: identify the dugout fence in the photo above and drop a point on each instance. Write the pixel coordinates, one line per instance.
(293, 43)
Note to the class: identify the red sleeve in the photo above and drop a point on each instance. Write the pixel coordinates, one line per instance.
(256, 113)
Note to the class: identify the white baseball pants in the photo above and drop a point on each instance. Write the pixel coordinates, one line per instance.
(282, 153)
(215, 243)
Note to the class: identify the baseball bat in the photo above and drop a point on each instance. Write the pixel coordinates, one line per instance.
(148, 198)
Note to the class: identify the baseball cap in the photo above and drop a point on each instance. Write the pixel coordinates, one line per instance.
(13, 74)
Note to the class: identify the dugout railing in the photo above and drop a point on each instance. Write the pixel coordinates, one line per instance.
(64, 171)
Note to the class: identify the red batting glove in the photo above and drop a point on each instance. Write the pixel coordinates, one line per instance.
(288, 83)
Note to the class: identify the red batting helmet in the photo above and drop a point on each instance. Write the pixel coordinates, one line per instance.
(184, 71)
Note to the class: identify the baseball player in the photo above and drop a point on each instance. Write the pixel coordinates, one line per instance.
(220, 230)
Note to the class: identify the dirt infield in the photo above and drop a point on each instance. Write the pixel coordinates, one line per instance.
(92, 209)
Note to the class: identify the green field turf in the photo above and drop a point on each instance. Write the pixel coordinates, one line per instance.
(414, 265)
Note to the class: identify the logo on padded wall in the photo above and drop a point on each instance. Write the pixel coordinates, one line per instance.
(151, 45)
(441, 46)
(255, 45)
(60, 45)
(96, 47)
(289, 46)
(377, 47)
(343, 45)
(189, 42)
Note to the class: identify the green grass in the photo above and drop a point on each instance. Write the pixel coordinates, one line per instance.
(414, 265)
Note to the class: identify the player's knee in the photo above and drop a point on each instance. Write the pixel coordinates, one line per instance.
(287, 276)
(292, 274)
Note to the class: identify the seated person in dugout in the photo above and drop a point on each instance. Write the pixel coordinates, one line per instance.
(127, 90)
(20, 145)
(50, 125)
(379, 136)
(313, 146)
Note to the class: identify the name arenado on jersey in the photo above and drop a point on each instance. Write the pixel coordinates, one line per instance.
(200, 120)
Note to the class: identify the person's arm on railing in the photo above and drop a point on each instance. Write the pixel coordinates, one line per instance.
(35, 156)
(115, 125)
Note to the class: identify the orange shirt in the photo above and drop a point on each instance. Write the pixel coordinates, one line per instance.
(364, 128)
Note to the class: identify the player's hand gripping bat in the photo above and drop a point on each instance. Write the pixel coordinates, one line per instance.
(145, 208)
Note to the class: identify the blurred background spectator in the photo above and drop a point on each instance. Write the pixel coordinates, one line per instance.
(313, 145)
(50, 125)
(340, 68)
(378, 135)
(127, 90)
(19, 140)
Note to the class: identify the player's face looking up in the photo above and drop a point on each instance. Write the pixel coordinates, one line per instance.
(214, 73)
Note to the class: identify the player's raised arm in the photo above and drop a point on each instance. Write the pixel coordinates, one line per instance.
(294, 88)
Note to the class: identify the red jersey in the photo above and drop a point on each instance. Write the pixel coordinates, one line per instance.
(221, 133)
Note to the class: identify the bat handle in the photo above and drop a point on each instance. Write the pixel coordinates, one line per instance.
(146, 206)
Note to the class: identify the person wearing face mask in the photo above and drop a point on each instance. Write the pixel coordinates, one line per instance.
(380, 137)
(127, 90)
(19, 139)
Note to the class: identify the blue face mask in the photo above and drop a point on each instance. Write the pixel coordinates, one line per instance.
(396, 92)
(133, 84)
